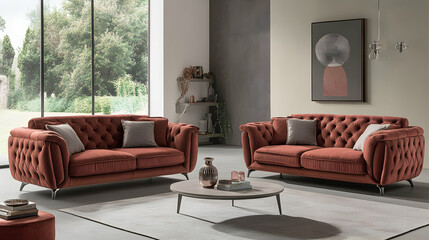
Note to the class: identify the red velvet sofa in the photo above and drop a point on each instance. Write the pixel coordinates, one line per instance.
(389, 156)
(41, 157)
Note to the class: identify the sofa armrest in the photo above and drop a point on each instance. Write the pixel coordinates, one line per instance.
(184, 137)
(38, 156)
(394, 155)
(254, 136)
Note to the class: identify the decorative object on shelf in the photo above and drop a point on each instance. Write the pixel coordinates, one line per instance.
(192, 99)
(209, 123)
(401, 46)
(187, 75)
(203, 126)
(237, 176)
(208, 175)
(337, 71)
(209, 75)
(375, 46)
(198, 72)
(211, 93)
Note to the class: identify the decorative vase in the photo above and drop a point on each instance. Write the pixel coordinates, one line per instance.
(203, 126)
(208, 174)
(211, 93)
(209, 123)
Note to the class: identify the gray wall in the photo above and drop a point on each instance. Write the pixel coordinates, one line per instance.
(240, 59)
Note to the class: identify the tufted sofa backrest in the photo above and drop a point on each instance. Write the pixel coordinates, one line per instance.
(344, 130)
(99, 131)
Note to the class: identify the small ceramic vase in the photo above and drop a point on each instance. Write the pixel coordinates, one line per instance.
(208, 174)
(203, 127)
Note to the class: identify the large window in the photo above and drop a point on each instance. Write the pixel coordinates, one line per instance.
(67, 57)
(19, 67)
(94, 61)
(121, 55)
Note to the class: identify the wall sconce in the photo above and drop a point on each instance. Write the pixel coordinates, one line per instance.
(375, 47)
(401, 46)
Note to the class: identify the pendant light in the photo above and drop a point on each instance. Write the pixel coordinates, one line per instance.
(374, 46)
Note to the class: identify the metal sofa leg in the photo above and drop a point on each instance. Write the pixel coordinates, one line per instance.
(381, 189)
(281, 175)
(54, 193)
(23, 184)
(186, 176)
(411, 182)
(249, 171)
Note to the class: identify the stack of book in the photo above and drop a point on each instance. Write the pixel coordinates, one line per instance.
(231, 185)
(14, 212)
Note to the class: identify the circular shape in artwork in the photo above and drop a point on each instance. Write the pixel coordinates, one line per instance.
(332, 50)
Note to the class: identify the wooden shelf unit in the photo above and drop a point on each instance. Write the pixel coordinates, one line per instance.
(183, 107)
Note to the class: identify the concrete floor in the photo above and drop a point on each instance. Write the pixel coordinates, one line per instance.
(227, 158)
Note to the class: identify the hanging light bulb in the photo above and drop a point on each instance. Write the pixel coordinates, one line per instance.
(375, 46)
(374, 50)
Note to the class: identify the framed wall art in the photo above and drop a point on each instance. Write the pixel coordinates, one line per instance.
(338, 62)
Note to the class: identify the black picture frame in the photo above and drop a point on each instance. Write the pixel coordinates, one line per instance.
(338, 60)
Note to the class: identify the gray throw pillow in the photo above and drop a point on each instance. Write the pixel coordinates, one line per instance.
(74, 144)
(301, 132)
(372, 128)
(138, 134)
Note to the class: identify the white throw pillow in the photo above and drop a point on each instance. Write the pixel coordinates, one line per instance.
(372, 128)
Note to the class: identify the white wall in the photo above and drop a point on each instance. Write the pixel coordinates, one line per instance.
(156, 61)
(397, 84)
(186, 42)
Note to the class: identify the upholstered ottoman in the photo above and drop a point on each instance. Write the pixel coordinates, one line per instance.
(41, 227)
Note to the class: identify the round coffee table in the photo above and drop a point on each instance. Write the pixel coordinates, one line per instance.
(194, 189)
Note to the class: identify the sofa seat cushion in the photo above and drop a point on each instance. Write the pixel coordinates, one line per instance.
(152, 157)
(100, 161)
(282, 155)
(339, 160)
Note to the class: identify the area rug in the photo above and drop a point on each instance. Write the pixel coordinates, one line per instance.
(306, 215)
